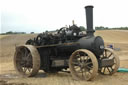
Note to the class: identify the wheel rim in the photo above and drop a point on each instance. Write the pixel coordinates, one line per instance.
(27, 60)
(109, 70)
(83, 65)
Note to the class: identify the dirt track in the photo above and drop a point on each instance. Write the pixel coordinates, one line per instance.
(8, 75)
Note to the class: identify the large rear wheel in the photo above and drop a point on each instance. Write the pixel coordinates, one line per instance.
(27, 60)
(83, 65)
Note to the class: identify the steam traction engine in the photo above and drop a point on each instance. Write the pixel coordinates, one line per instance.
(69, 47)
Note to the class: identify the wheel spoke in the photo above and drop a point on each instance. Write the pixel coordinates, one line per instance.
(105, 53)
(80, 59)
(28, 56)
(25, 52)
(86, 60)
(78, 54)
(25, 69)
(29, 69)
(88, 63)
(83, 60)
(112, 69)
(82, 72)
(75, 63)
(104, 69)
(109, 70)
(89, 67)
(109, 55)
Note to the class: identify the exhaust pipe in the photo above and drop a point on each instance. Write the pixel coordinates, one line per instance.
(89, 20)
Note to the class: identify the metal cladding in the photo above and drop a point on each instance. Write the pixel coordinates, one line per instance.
(68, 47)
(89, 20)
(60, 44)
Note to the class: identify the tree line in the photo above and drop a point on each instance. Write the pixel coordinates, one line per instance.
(11, 32)
(81, 27)
(107, 28)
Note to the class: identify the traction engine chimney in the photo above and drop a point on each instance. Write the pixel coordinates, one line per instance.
(89, 20)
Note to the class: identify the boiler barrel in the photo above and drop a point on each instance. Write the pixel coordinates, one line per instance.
(94, 44)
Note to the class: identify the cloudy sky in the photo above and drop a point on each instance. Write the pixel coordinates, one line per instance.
(41, 15)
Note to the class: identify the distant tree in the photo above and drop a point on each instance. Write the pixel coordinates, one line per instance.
(107, 28)
(10, 32)
(82, 28)
(101, 28)
(32, 32)
(23, 32)
(121, 28)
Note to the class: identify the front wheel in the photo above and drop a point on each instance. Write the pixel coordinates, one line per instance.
(109, 70)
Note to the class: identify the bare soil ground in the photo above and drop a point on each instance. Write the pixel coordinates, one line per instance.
(8, 76)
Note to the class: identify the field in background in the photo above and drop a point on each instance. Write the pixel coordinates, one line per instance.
(119, 39)
(2, 36)
(114, 36)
